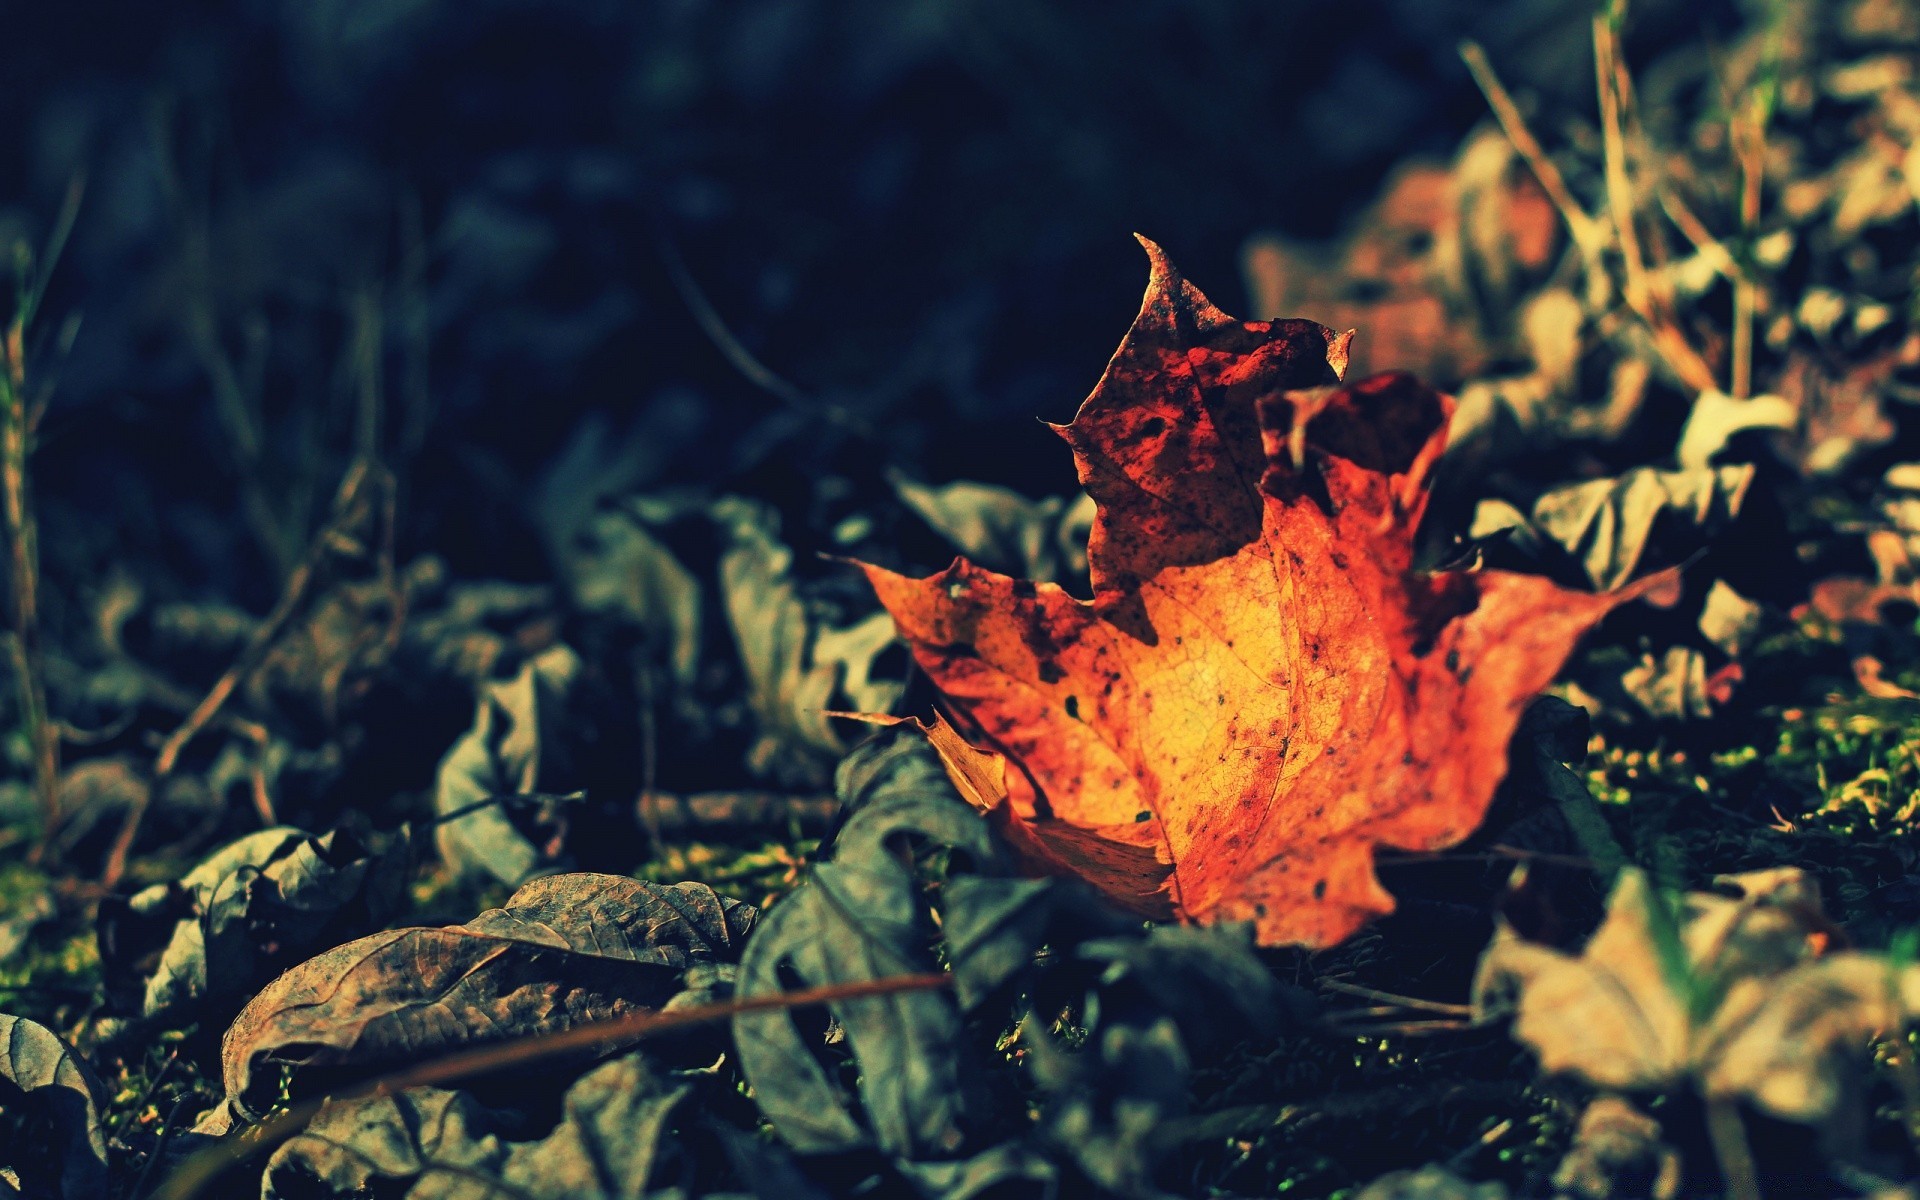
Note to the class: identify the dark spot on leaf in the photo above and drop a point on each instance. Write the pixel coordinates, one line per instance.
(1050, 672)
(1073, 707)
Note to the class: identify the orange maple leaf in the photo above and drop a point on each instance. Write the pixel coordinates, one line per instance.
(1262, 689)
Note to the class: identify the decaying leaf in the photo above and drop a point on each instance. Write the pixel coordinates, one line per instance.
(862, 916)
(1726, 993)
(1262, 689)
(56, 1101)
(565, 949)
(251, 907)
(615, 563)
(515, 748)
(1428, 270)
(1612, 531)
(442, 1145)
(798, 667)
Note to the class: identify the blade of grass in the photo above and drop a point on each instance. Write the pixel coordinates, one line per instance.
(1585, 231)
(1642, 293)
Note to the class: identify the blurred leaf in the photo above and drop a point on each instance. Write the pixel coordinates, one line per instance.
(1716, 419)
(1617, 1154)
(57, 1098)
(1619, 529)
(1106, 1102)
(564, 950)
(1206, 977)
(1722, 992)
(614, 563)
(517, 746)
(1004, 531)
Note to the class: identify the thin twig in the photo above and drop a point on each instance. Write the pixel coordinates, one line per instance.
(1403, 1028)
(204, 1167)
(1695, 231)
(346, 514)
(1642, 295)
(1750, 139)
(668, 812)
(736, 353)
(160, 1144)
(298, 583)
(1397, 1001)
(1583, 228)
(1620, 204)
(146, 1093)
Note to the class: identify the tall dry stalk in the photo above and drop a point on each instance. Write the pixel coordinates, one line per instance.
(19, 415)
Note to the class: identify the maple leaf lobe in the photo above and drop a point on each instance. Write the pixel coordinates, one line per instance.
(1260, 670)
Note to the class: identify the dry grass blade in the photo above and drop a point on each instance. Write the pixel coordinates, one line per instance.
(1584, 229)
(1645, 293)
(1643, 290)
(17, 420)
(204, 1168)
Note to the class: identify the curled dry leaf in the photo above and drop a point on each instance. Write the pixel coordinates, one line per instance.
(48, 1091)
(252, 906)
(1262, 689)
(516, 747)
(564, 950)
(799, 667)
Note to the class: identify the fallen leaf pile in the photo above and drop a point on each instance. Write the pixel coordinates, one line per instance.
(1458, 739)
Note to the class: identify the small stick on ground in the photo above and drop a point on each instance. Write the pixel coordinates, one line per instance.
(1396, 1001)
(346, 514)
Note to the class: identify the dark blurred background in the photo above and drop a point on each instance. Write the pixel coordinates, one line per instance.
(439, 224)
